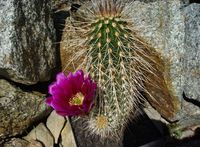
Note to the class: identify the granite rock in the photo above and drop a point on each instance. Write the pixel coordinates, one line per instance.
(19, 109)
(172, 28)
(55, 124)
(34, 143)
(16, 142)
(191, 62)
(42, 134)
(67, 136)
(27, 53)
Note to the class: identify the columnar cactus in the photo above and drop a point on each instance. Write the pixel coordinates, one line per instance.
(116, 58)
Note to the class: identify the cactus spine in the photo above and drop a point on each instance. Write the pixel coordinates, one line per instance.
(116, 58)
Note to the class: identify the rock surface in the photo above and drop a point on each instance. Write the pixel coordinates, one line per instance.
(172, 28)
(191, 62)
(27, 53)
(17, 142)
(67, 136)
(59, 135)
(55, 124)
(33, 143)
(18, 109)
(42, 134)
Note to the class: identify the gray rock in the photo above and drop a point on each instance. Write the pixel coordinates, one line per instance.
(16, 142)
(42, 134)
(191, 62)
(34, 143)
(62, 5)
(27, 53)
(55, 124)
(18, 109)
(172, 28)
(67, 136)
(161, 24)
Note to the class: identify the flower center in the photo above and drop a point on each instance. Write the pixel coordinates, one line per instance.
(77, 99)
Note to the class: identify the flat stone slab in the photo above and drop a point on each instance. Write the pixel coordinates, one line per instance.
(55, 124)
(67, 136)
(42, 134)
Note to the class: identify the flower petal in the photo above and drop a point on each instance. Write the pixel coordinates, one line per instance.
(49, 100)
(60, 106)
(54, 89)
(79, 78)
(66, 87)
(64, 84)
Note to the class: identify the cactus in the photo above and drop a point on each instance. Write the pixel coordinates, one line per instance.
(116, 58)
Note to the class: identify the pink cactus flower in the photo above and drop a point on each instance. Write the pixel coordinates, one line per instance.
(72, 95)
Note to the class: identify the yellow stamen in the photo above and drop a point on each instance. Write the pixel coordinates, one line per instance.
(77, 99)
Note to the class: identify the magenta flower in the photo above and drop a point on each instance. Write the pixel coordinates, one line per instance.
(73, 94)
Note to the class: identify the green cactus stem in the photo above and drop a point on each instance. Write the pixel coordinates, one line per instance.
(116, 58)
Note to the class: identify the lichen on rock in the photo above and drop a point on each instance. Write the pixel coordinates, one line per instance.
(19, 109)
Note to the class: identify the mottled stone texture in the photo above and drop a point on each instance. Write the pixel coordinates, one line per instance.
(161, 23)
(18, 109)
(191, 62)
(172, 28)
(17, 142)
(27, 53)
